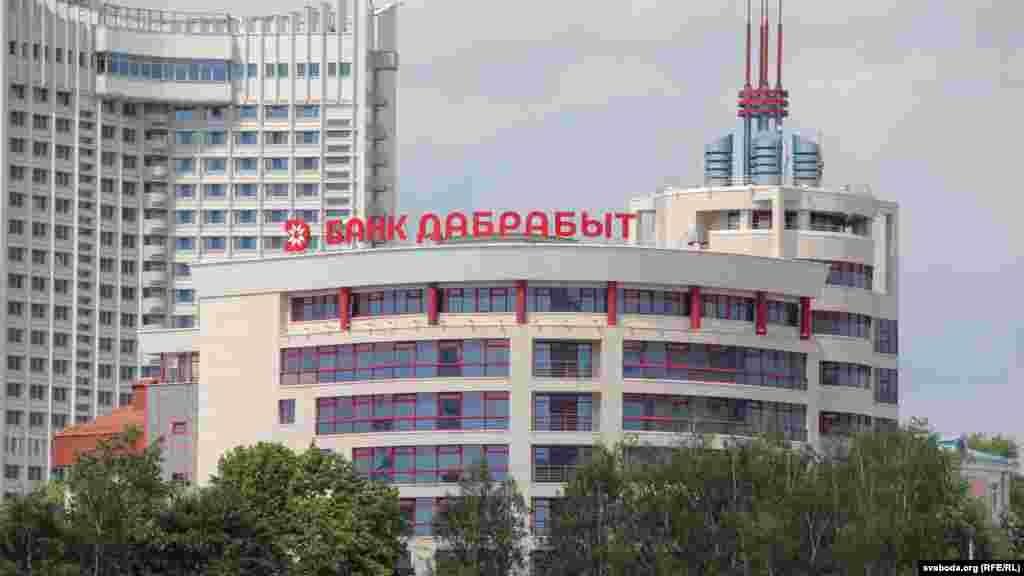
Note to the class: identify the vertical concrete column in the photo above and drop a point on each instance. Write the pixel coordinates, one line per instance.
(803, 221)
(805, 318)
(761, 312)
(521, 302)
(779, 223)
(813, 394)
(344, 308)
(520, 407)
(433, 304)
(611, 386)
(879, 234)
(695, 308)
(613, 303)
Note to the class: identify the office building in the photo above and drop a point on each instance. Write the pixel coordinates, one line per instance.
(134, 143)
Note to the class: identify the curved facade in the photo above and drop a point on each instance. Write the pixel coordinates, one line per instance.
(417, 362)
(137, 142)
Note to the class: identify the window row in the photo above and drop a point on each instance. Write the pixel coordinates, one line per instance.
(63, 314)
(401, 412)
(219, 166)
(567, 299)
(431, 359)
(274, 190)
(850, 275)
(887, 340)
(714, 363)
(842, 324)
(660, 302)
(708, 415)
(41, 52)
(245, 138)
(428, 464)
(843, 424)
(887, 390)
(845, 374)
(180, 70)
(502, 299)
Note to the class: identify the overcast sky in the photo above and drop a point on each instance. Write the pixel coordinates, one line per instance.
(567, 103)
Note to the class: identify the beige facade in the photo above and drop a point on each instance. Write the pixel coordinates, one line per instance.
(249, 319)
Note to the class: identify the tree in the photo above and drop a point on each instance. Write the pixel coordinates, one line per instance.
(582, 538)
(482, 531)
(1000, 445)
(315, 515)
(203, 531)
(114, 494)
(33, 532)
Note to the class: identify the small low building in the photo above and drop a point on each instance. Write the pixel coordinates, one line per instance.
(988, 476)
(162, 412)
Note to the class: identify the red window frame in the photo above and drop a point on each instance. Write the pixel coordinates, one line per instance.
(298, 304)
(758, 216)
(676, 401)
(718, 301)
(344, 352)
(459, 293)
(409, 399)
(710, 370)
(494, 293)
(443, 475)
(179, 428)
(411, 503)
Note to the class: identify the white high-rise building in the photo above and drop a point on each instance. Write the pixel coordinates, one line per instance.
(135, 142)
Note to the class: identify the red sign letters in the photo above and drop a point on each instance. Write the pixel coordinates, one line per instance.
(482, 224)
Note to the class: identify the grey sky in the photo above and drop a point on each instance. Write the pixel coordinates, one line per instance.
(583, 104)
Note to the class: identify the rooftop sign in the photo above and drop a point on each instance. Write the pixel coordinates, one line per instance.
(479, 225)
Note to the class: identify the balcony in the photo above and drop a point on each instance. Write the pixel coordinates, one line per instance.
(385, 60)
(156, 199)
(552, 473)
(157, 143)
(154, 278)
(570, 370)
(155, 226)
(153, 252)
(705, 426)
(157, 172)
(565, 423)
(154, 305)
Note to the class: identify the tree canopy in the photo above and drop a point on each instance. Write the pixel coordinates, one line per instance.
(269, 511)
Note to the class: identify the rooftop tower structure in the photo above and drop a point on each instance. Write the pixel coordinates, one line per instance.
(762, 109)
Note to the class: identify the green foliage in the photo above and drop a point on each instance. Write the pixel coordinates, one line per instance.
(482, 531)
(115, 495)
(877, 506)
(999, 445)
(315, 514)
(33, 533)
(270, 512)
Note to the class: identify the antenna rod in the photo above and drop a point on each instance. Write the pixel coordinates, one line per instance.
(763, 76)
(778, 64)
(748, 44)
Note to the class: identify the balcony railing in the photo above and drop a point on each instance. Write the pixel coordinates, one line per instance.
(552, 473)
(564, 423)
(695, 426)
(564, 370)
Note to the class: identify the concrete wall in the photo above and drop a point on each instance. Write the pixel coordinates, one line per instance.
(171, 415)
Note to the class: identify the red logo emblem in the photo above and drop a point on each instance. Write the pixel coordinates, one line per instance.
(298, 235)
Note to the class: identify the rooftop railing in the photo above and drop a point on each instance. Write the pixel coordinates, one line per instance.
(214, 23)
(789, 181)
